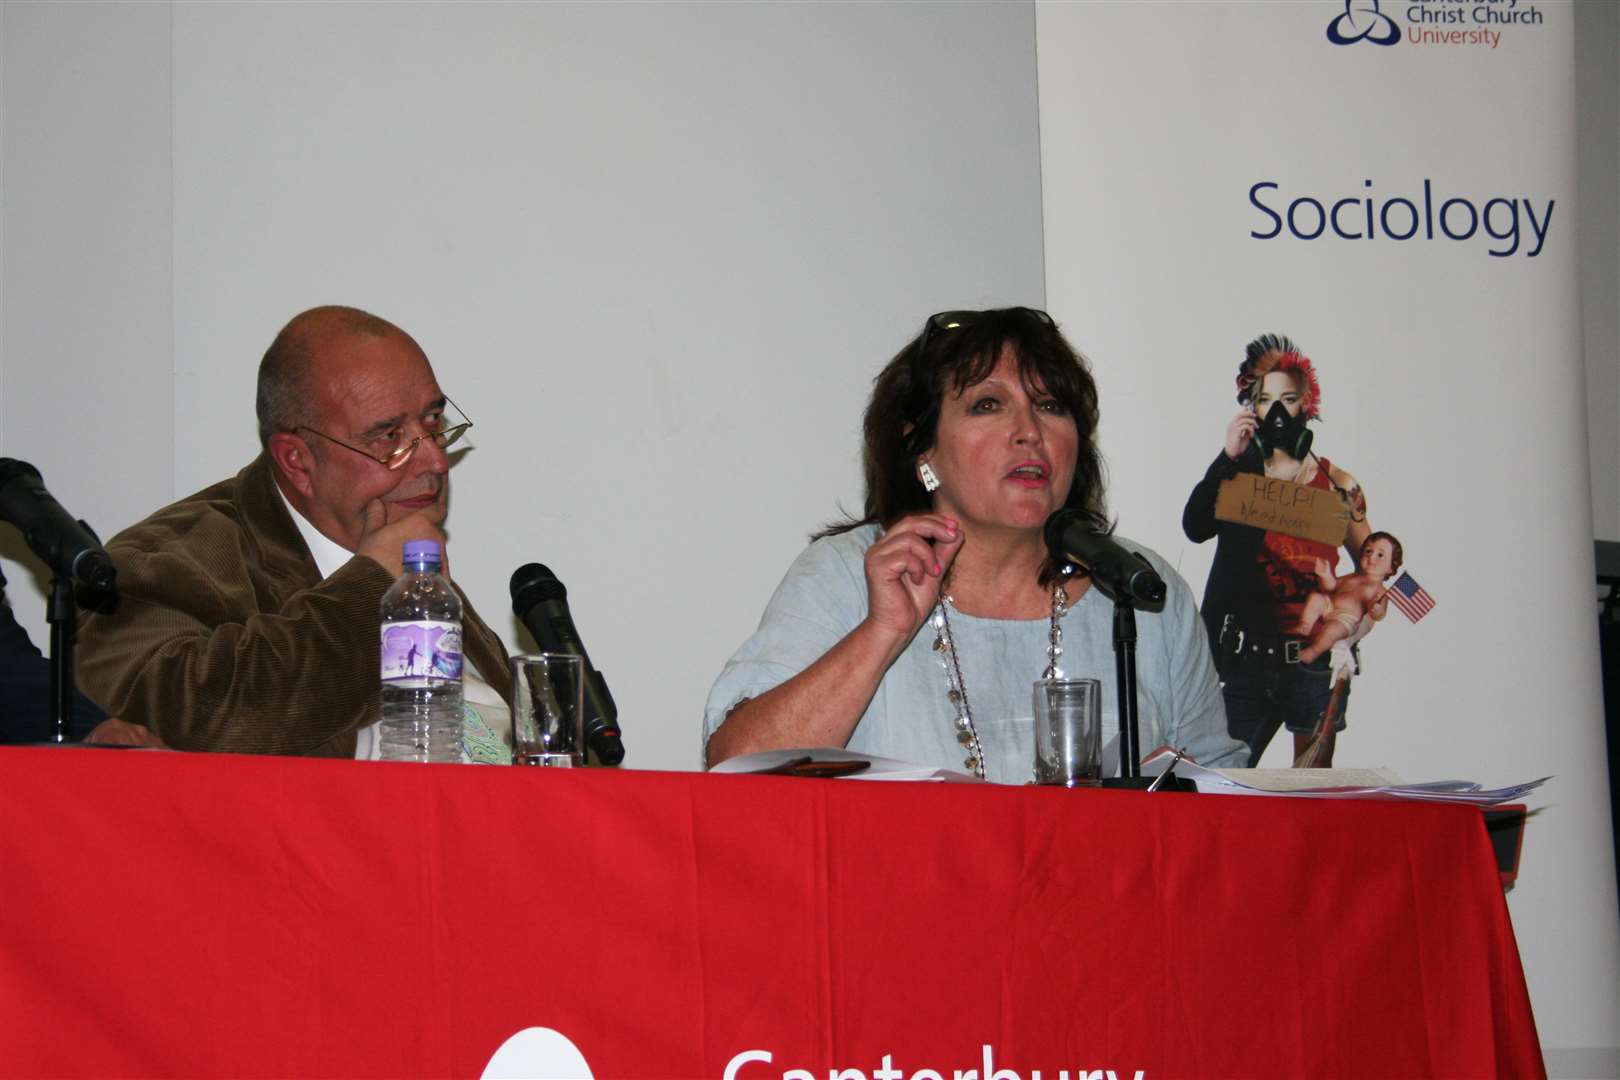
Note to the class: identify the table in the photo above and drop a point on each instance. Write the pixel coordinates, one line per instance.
(167, 914)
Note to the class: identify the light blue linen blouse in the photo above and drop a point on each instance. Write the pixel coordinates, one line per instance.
(823, 598)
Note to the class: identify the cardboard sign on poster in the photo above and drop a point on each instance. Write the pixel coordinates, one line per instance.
(1281, 506)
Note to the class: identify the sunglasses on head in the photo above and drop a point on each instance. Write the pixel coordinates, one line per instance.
(945, 321)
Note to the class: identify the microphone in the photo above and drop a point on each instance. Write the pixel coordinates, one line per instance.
(1118, 571)
(541, 602)
(68, 547)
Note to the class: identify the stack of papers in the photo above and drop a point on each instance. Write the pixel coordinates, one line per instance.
(835, 762)
(839, 763)
(1335, 784)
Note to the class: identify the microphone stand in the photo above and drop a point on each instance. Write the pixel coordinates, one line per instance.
(1123, 575)
(62, 613)
(1130, 736)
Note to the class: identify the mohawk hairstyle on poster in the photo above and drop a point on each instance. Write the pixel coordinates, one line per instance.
(1277, 352)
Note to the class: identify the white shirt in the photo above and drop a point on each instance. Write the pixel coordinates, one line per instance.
(486, 724)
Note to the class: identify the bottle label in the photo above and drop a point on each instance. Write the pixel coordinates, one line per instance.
(417, 654)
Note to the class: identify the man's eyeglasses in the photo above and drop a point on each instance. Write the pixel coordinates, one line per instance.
(397, 459)
(942, 321)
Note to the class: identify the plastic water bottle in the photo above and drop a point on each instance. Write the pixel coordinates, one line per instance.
(421, 661)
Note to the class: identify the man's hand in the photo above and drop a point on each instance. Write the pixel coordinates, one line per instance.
(115, 732)
(384, 542)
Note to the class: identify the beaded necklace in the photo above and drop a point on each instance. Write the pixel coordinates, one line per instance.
(956, 692)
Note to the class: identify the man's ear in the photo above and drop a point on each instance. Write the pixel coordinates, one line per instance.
(293, 461)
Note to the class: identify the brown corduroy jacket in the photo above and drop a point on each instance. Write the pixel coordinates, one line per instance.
(226, 637)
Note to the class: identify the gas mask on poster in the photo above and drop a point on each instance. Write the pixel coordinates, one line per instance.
(1279, 430)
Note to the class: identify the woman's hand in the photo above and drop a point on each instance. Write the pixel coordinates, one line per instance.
(1240, 433)
(821, 705)
(904, 569)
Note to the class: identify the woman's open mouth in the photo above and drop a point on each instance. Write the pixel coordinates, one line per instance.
(1029, 474)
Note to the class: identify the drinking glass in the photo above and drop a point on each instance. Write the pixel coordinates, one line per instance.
(548, 710)
(1068, 732)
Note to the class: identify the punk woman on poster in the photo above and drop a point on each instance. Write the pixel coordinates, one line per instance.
(1261, 580)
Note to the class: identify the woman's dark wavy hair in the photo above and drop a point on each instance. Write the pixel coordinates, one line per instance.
(902, 419)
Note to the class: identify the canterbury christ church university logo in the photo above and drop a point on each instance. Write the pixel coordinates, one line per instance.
(1362, 21)
(539, 1053)
(1479, 23)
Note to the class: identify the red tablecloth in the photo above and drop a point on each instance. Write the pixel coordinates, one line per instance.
(172, 914)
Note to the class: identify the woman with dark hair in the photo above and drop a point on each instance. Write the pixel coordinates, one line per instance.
(977, 431)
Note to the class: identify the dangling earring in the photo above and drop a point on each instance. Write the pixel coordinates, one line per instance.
(925, 473)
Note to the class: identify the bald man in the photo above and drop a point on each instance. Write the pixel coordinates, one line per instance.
(249, 612)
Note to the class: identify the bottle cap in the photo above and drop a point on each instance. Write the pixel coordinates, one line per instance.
(417, 551)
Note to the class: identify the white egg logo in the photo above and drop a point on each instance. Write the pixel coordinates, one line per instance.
(537, 1053)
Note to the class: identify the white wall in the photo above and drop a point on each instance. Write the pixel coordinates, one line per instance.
(86, 386)
(657, 252)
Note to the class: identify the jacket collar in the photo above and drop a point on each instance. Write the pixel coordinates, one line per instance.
(281, 549)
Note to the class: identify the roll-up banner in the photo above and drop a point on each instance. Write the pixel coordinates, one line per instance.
(1322, 258)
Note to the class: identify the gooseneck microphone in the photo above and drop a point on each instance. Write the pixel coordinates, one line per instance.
(1118, 571)
(541, 602)
(67, 546)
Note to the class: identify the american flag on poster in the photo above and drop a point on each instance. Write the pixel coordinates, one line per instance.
(1413, 599)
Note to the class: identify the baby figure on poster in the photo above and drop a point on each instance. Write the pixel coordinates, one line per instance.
(1337, 611)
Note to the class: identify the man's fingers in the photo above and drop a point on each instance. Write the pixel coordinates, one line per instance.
(373, 517)
(115, 732)
(419, 525)
(384, 542)
(438, 511)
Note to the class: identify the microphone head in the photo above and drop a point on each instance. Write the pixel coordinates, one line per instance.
(94, 570)
(533, 584)
(1149, 587)
(1071, 537)
(1056, 526)
(11, 468)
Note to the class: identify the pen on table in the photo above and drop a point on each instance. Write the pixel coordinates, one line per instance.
(1168, 769)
